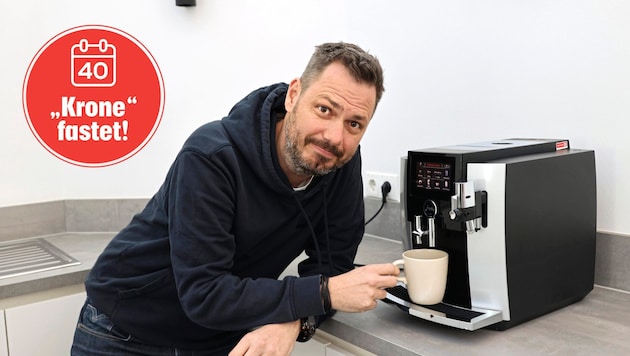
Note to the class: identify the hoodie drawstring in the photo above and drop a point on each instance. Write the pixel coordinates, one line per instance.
(330, 261)
(314, 235)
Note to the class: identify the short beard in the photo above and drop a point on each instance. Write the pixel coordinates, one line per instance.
(293, 155)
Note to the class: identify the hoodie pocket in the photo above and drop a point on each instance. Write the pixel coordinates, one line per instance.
(148, 284)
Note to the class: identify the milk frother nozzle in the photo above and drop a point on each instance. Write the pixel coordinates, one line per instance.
(468, 206)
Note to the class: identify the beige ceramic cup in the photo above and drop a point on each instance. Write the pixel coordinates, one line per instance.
(425, 274)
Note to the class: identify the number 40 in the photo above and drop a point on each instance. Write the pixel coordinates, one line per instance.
(99, 70)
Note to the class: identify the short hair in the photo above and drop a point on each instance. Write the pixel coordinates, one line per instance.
(363, 67)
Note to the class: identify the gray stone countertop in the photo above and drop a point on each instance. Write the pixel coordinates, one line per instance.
(597, 325)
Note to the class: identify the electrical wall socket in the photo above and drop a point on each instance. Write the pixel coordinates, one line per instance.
(372, 182)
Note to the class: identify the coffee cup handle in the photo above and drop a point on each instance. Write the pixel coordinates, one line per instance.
(400, 263)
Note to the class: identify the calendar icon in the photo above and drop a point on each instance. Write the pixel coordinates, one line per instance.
(93, 64)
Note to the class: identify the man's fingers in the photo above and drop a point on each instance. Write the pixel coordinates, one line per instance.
(381, 294)
(384, 269)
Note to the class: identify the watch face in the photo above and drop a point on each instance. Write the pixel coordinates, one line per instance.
(307, 329)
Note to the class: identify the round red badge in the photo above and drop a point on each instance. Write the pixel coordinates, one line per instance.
(93, 96)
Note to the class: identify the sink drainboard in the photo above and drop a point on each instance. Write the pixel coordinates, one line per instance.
(30, 256)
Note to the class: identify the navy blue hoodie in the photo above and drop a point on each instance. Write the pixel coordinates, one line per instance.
(199, 266)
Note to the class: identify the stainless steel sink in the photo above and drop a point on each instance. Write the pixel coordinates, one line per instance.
(30, 256)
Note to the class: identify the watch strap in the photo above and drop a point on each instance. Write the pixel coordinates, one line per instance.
(307, 329)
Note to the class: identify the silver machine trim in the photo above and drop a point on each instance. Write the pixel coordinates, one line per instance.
(405, 225)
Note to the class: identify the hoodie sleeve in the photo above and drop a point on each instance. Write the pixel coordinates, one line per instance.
(201, 206)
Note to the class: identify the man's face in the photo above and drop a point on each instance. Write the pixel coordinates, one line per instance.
(325, 122)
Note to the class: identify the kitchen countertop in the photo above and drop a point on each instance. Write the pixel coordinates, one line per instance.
(84, 247)
(599, 324)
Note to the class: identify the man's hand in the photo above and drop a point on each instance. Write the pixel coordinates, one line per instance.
(358, 290)
(272, 339)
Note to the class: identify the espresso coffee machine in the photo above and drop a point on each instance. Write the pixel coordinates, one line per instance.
(517, 218)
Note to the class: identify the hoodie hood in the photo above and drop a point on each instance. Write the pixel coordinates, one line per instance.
(259, 110)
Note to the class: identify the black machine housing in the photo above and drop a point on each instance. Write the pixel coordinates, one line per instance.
(517, 218)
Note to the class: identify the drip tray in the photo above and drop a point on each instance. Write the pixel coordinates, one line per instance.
(442, 313)
(31, 256)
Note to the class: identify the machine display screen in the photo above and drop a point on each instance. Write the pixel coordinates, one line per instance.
(434, 176)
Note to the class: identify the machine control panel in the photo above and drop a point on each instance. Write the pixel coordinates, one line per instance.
(434, 176)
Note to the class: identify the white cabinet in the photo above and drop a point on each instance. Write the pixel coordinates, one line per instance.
(339, 347)
(44, 327)
(333, 350)
(313, 347)
(43, 324)
(3, 336)
(324, 344)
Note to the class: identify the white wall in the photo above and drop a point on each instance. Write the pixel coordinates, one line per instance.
(457, 71)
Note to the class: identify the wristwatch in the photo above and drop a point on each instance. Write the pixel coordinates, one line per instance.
(307, 329)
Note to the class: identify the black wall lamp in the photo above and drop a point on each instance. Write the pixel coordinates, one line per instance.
(186, 2)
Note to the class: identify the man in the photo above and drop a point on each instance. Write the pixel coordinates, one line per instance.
(196, 272)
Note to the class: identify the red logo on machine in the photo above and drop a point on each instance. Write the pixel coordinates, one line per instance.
(562, 145)
(93, 96)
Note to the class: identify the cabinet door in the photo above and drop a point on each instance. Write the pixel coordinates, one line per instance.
(43, 328)
(333, 350)
(3, 336)
(313, 347)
